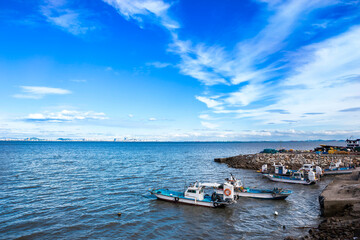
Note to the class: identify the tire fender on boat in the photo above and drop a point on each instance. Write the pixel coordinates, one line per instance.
(216, 204)
(308, 180)
(176, 199)
(273, 194)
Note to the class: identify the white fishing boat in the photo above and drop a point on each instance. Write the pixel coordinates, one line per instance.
(298, 177)
(195, 195)
(279, 169)
(307, 167)
(241, 191)
(335, 169)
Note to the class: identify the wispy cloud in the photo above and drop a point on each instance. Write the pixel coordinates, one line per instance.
(315, 83)
(79, 80)
(356, 109)
(280, 111)
(205, 117)
(210, 102)
(64, 116)
(58, 13)
(209, 125)
(270, 77)
(35, 92)
(139, 10)
(259, 135)
(152, 119)
(158, 64)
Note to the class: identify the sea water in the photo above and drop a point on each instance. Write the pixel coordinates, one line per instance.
(75, 190)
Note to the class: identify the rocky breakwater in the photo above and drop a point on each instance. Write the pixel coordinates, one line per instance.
(291, 160)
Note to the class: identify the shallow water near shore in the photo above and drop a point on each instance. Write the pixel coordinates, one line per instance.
(73, 190)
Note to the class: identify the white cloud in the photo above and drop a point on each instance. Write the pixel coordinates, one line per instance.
(324, 76)
(64, 116)
(152, 119)
(212, 65)
(210, 103)
(205, 117)
(209, 125)
(327, 82)
(158, 64)
(130, 116)
(138, 9)
(73, 21)
(246, 95)
(209, 65)
(36, 92)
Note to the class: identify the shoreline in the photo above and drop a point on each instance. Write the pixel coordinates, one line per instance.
(340, 207)
(291, 160)
(339, 201)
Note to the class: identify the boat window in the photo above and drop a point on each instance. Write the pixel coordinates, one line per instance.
(191, 191)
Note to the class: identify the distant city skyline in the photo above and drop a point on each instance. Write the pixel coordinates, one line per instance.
(156, 70)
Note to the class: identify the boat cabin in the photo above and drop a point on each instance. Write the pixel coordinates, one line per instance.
(297, 175)
(352, 143)
(195, 192)
(280, 169)
(307, 167)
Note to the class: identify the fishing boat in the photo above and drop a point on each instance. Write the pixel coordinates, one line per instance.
(195, 195)
(279, 169)
(241, 191)
(299, 177)
(335, 169)
(311, 167)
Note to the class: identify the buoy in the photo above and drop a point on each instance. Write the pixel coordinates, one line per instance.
(119, 214)
(276, 213)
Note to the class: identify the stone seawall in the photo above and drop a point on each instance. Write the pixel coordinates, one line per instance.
(291, 160)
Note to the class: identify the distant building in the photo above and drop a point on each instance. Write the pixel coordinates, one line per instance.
(352, 143)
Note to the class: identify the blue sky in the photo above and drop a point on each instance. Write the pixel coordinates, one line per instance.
(180, 70)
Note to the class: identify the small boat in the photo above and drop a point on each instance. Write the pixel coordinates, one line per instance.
(335, 169)
(296, 177)
(241, 191)
(195, 195)
(310, 167)
(278, 168)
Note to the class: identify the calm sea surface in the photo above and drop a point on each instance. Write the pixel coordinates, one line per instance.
(69, 190)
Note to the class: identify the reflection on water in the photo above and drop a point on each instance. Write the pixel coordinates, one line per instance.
(75, 190)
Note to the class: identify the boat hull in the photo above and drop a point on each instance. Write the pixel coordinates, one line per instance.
(337, 172)
(277, 196)
(289, 180)
(259, 194)
(186, 201)
(179, 198)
